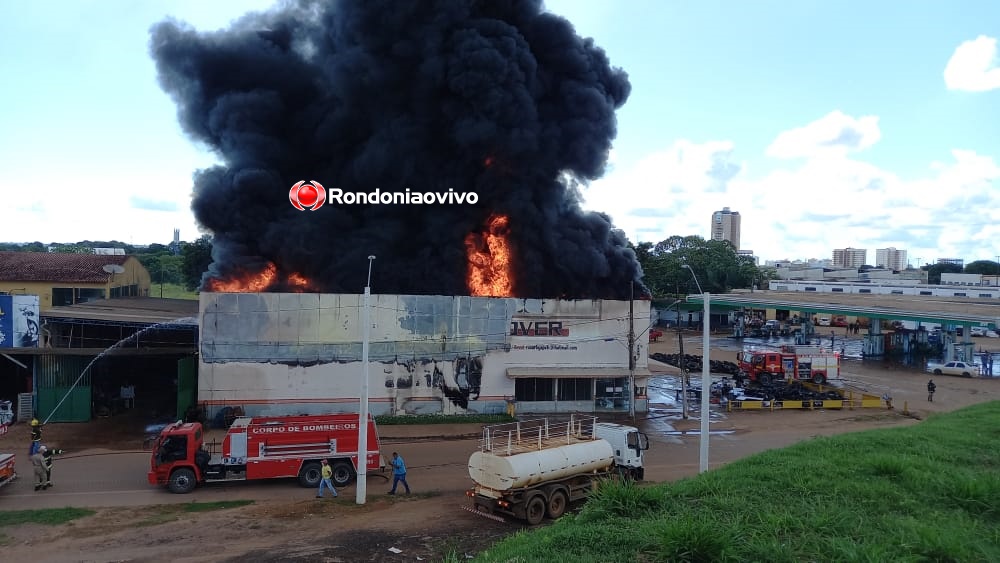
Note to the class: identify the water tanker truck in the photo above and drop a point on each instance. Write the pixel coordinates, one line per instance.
(533, 469)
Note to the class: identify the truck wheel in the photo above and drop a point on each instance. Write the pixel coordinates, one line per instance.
(534, 512)
(182, 481)
(557, 504)
(764, 378)
(819, 378)
(311, 474)
(342, 474)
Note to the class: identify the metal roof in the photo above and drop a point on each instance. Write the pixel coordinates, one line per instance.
(59, 267)
(141, 310)
(925, 309)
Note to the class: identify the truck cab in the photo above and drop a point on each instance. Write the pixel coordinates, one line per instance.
(179, 460)
(628, 445)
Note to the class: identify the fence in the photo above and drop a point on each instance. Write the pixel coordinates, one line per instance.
(852, 396)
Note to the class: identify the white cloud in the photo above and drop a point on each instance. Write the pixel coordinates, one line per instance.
(833, 134)
(664, 187)
(82, 201)
(805, 209)
(973, 66)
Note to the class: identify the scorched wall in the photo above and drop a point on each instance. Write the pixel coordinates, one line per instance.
(299, 353)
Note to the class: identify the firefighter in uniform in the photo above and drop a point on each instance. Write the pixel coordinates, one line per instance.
(38, 464)
(36, 436)
(47, 454)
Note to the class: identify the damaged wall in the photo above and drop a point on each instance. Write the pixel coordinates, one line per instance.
(290, 353)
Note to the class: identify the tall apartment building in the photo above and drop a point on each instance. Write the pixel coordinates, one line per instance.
(849, 257)
(890, 258)
(726, 226)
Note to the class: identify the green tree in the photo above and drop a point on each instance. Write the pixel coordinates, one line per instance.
(934, 271)
(717, 265)
(987, 267)
(195, 259)
(73, 248)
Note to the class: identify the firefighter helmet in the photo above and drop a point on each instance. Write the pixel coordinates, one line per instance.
(34, 422)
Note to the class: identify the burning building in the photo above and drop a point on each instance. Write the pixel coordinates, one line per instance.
(501, 99)
(290, 353)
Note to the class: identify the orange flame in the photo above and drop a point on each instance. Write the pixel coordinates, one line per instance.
(298, 281)
(259, 282)
(489, 256)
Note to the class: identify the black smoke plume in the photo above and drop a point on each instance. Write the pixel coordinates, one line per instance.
(496, 97)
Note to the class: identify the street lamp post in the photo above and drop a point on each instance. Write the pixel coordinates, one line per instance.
(631, 352)
(706, 374)
(362, 488)
(680, 361)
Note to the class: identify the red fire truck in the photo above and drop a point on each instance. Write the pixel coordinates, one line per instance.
(7, 472)
(808, 363)
(263, 448)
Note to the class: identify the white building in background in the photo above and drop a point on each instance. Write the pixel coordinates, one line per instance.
(849, 257)
(885, 287)
(726, 226)
(890, 258)
(292, 353)
(948, 278)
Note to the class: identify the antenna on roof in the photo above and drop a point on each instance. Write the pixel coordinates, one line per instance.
(113, 269)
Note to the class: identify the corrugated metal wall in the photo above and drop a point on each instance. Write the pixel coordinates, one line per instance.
(187, 385)
(54, 376)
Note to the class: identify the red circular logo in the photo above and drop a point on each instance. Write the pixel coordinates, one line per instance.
(309, 195)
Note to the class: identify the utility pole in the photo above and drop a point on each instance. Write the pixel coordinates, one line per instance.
(362, 471)
(631, 351)
(682, 365)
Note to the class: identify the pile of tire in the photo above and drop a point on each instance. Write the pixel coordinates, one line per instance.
(692, 363)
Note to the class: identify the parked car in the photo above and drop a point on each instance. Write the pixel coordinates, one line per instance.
(964, 369)
(824, 321)
(982, 331)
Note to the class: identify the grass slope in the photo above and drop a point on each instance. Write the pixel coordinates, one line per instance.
(928, 492)
(171, 291)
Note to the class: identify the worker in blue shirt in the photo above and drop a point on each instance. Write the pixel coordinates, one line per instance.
(398, 473)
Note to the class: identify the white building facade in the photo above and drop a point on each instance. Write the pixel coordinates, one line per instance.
(299, 353)
(890, 258)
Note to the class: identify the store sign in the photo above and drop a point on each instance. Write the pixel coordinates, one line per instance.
(538, 328)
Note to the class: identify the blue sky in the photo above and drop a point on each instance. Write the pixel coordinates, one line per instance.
(825, 124)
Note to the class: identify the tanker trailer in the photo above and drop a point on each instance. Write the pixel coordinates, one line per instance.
(532, 469)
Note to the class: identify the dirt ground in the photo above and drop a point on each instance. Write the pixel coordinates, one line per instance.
(429, 526)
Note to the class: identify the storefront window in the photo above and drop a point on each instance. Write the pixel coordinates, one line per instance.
(575, 389)
(533, 389)
(611, 393)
